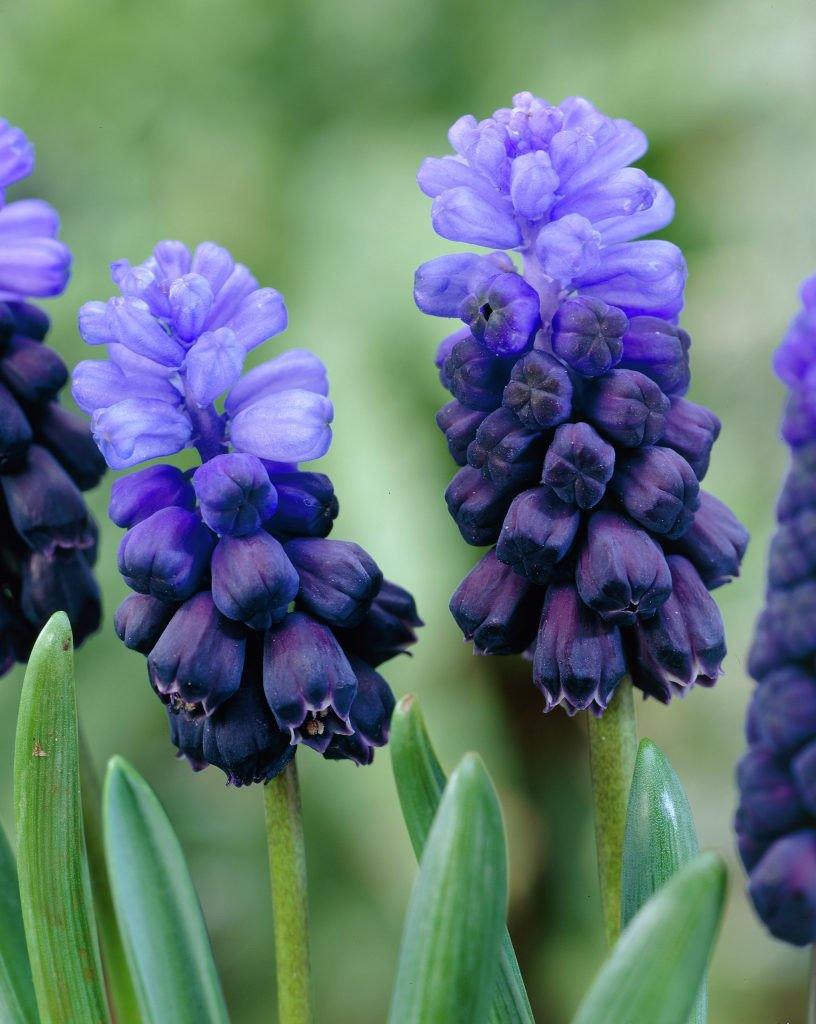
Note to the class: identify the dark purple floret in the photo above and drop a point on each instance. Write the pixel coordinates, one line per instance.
(658, 489)
(60, 582)
(308, 681)
(370, 718)
(235, 494)
(504, 315)
(715, 542)
(253, 580)
(459, 425)
(137, 496)
(140, 620)
(506, 452)
(659, 350)
(626, 407)
(587, 333)
(475, 376)
(307, 505)
(539, 392)
(783, 887)
(578, 465)
(338, 580)
(198, 660)
(537, 532)
(622, 573)
(167, 554)
(388, 629)
(477, 505)
(691, 431)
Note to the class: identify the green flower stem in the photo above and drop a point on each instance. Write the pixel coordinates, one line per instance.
(811, 1017)
(287, 866)
(612, 752)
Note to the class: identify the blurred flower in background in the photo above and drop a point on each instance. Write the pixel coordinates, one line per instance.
(776, 818)
(260, 633)
(47, 458)
(581, 459)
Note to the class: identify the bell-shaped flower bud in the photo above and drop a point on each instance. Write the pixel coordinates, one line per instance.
(496, 608)
(475, 376)
(537, 532)
(587, 333)
(578, 465)
(578, 659)
(627, 407)
(792, 552)
(622, 573)
(198, 660)
(658, 489)
(67, 437)
(784, 709)
(61, 582)
(459, 425)
(140, 620)
(370, 718)
(783, 888)
(715, 543)
(691, 430)
(507, 454)
(388, 629)
(308, 681)
(307, 505)
(167, 554)
(659, 350)
(15, 432)
(539, 392)
(503, 316)
(33, 372)
(477, 505)
(137, 496)
(241, 738)
(45, 505)
(234, 494)
(253, 581)
(338, 580)
(799, 489)
(769, 803)
(683, 643)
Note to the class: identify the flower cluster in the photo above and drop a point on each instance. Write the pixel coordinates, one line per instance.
(581, 459)
(776, 819)
(47, 457)
(260, 632)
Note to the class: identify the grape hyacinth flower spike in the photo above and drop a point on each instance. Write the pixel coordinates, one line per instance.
(776, 818)
(261, 633)
(47, 457)
(581, 461)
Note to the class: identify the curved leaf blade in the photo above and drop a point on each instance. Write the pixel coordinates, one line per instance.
(453, 928)
(18, 1004)
(55, 891)
(660, 839)
(420, 783)
(159, 915)
(653, 974)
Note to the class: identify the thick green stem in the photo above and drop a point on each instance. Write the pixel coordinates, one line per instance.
(287, 866)
(612, 751)
(811, 1017)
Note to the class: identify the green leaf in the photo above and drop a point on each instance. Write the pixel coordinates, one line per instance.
(55, 891)
(453, 928)
(159, 914)
(420, 783)
(125, 1005)
(653, 974)
(18, 1004)
(660, 839)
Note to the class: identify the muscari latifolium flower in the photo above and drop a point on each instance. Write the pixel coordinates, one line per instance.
(581, 458)
(776, 818)
(260, 633)
(47, 457)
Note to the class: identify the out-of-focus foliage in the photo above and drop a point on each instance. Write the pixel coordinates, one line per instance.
(290, 132)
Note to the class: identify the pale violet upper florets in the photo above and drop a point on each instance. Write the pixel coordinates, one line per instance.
(177, 338)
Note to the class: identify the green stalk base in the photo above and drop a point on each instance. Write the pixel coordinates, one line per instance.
(287, 867)
(612, 752)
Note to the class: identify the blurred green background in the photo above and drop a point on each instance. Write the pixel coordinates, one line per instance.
(290, 132)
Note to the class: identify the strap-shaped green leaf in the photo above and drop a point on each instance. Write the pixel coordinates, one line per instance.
(55, 891)
(159, 915)
(653, 974)
(18, 1004)
(450, 942)
(420, 782)
(660, 839)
